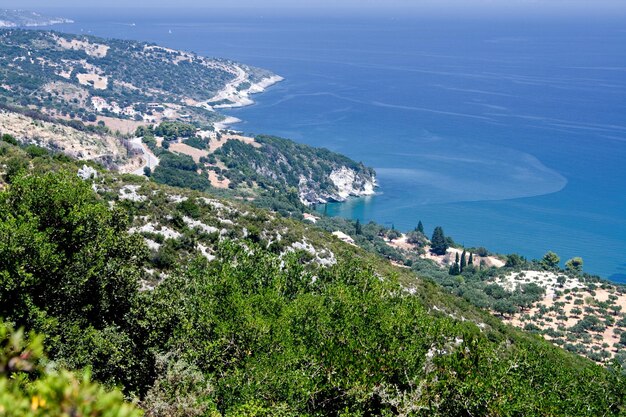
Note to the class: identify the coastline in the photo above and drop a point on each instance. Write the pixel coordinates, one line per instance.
(346, 180)
(238, 98)
(224, 124)
(234, 96)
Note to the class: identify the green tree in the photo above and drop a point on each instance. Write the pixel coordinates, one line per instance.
(420, 227)
(550, 260)
(575, 265)
(69, 268)
(9, 139)
(14, 167)
(471, 259)
(454, 269)
(514, 261)
(505, 307)
(463, 263)
(357, 227)
(615, 309)
(439, 244)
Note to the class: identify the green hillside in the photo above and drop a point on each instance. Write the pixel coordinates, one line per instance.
(195, 305)
(84, 77)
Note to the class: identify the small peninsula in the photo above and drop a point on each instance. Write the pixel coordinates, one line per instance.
(26, 18)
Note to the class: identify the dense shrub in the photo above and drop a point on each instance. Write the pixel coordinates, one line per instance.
(257, 332)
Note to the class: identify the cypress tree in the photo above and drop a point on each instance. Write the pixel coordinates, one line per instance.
(357, 227)
(463, 262)
(420, 227)
(438, 243)
(471, 259)
(454, 268)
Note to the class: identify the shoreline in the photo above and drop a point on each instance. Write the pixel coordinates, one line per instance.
(224, 124)
(232, 96)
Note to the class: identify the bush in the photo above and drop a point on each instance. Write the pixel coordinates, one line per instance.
(176, 161)
(196, 142)
(588, 323)
(173, 130)
(416, 238)
(29, 388)
(13, 168)
(180, 178)
(9, 139)
(67, 262)
(515, 261)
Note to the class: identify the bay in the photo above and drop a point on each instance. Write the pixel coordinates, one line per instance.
(511, 134)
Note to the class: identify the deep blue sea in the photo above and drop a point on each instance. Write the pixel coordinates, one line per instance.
(509, 133)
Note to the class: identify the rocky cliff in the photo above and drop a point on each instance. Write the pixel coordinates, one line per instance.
(316, 175)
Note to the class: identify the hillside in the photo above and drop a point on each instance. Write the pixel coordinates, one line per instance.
(73, 139)
(580, 312)
(91, 79)
(236, 166)
(254, 166)
(157, 251)
(244, 312)
(98, 99)
(584, 316)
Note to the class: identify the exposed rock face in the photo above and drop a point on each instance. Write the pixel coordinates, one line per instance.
(351, 183)
(343, 183)
(87, 172)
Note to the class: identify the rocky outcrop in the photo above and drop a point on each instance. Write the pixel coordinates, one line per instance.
(349, 182)
(317, 174)
(343, 183)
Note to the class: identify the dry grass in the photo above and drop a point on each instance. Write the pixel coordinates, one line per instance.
(216, 182)
(124, 126)
(82, 145)
(216, 144)
(97, 81)
(92, 49)
(195, 153)
(558, 311)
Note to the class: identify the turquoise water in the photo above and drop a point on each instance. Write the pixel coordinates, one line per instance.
(510, 134)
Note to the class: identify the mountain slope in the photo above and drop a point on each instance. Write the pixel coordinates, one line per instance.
(253, 314)
(87, 77)
(319, 175)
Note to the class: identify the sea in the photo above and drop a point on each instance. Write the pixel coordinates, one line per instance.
(510, 133)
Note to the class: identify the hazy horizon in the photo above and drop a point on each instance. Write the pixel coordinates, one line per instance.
(277, 7)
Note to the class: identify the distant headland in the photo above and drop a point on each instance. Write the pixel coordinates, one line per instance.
(25, 18)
